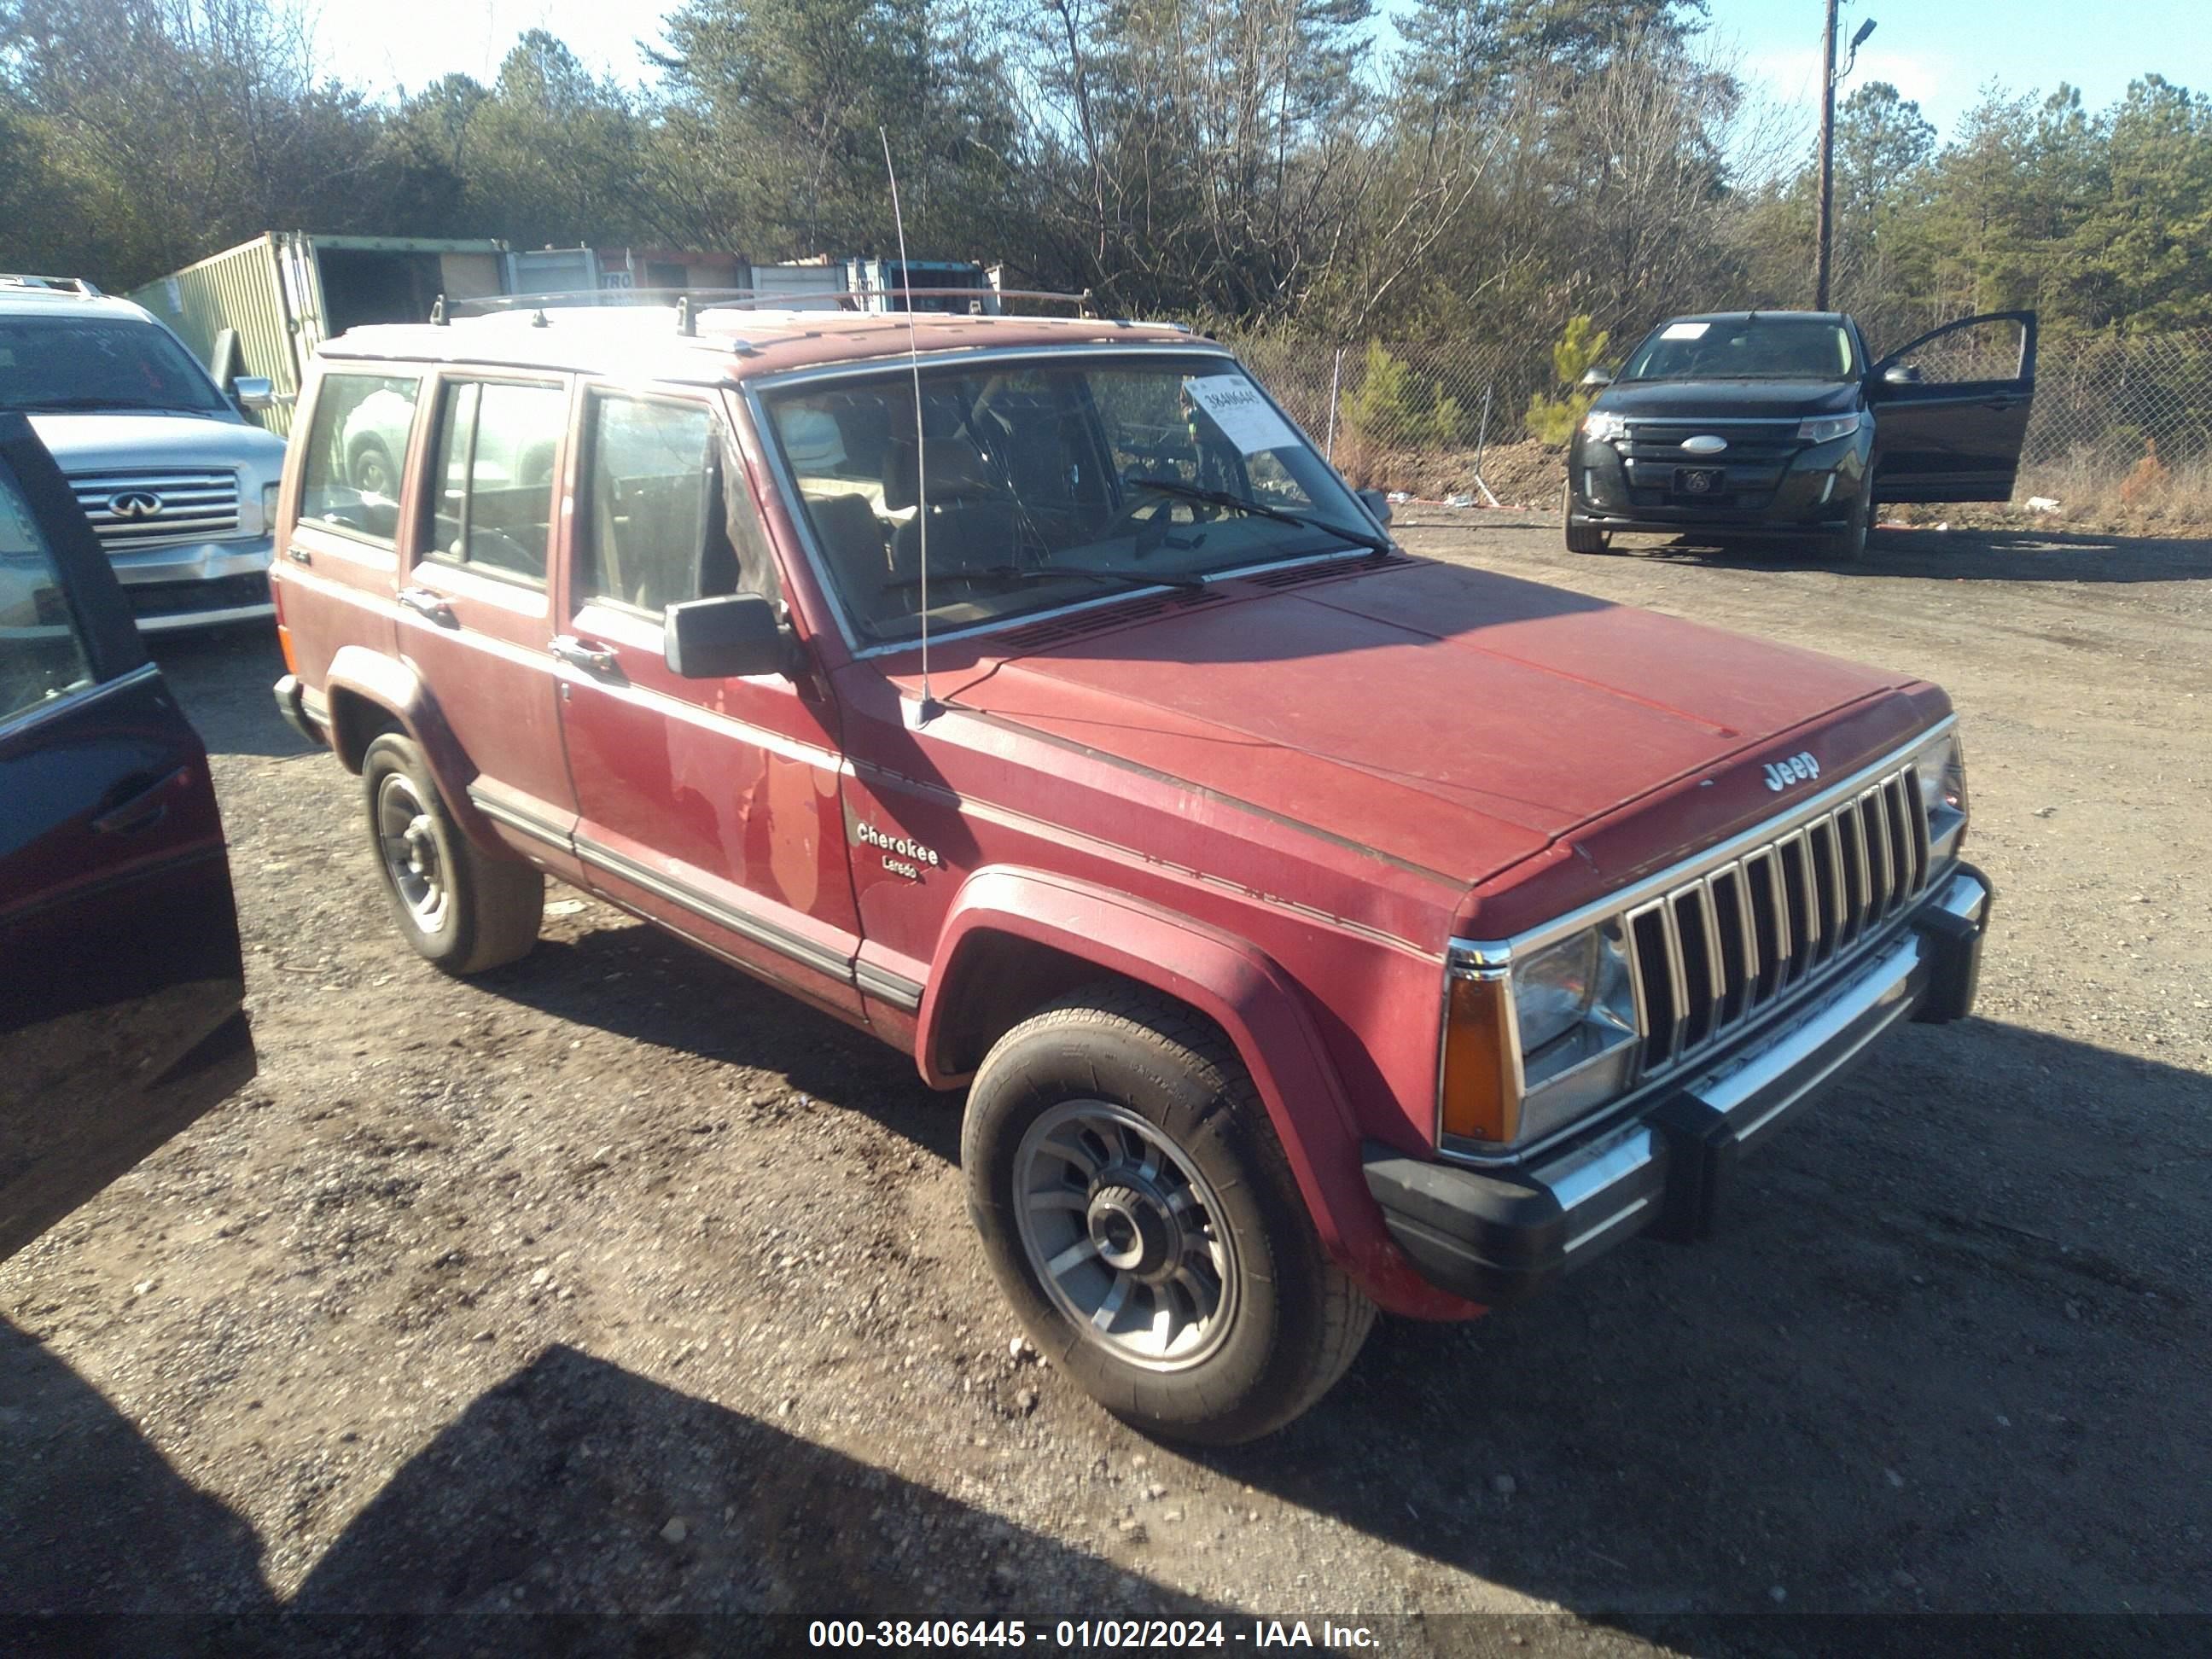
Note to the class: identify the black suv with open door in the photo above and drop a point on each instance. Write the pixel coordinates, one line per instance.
(122, 985)
(1742, 426)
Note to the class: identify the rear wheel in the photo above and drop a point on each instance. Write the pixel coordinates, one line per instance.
(462, 909)
(1140, 1216)
(1581, 538)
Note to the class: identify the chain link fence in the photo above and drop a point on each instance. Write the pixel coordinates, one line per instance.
(2118, 423)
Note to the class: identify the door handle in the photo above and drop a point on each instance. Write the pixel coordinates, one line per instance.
(424, 603)
(582, 654)
(298, 555)
(144, 810)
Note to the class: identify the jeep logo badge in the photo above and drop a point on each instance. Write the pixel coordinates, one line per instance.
(1705, 444)
(135, 504)
(1799, 768)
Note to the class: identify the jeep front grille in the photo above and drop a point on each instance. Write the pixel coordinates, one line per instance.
(185, 506)
(1713, 952)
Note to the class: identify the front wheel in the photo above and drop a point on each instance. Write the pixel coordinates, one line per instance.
(1138, 1213)
(462, 909)
(1581, 538)
(1848, 544)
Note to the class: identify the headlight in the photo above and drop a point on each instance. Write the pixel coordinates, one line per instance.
(1942, 770)
(1602, 426)
(1573, 1011)
(1820, 430)
(268, 492)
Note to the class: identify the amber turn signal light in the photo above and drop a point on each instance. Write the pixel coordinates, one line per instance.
(1479, 1101)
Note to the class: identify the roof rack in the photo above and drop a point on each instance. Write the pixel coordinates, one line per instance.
(688, 303)
(76, 285)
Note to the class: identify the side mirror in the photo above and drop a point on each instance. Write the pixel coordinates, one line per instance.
(254, 391)
(1377, 505)
(1594, 376)
(1900, 374)
(724, 638)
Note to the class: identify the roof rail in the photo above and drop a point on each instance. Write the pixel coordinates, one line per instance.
(692, 302)
(76, 285)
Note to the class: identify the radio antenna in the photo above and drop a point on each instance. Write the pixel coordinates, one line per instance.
(930, 706)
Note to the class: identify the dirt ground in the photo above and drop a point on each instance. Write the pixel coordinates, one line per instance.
(612, 1281)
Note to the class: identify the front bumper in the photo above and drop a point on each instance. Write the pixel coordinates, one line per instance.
(197, 584)
(1813, 489)
(1496, 1235)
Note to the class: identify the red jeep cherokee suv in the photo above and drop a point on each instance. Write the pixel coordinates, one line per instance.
(1312, 928)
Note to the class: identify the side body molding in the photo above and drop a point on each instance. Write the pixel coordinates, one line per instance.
(1240, 989)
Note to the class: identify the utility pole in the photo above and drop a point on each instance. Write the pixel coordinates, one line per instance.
(1824, 226)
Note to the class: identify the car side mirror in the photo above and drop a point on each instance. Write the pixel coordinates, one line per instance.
(254, 391)
(1377, 505)
(730, 636)
(1594, 376)
(1900, 374)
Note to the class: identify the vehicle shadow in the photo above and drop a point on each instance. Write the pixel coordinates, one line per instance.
(574, 1486)
(1945, 1353)
(2005, 556)
(635, 981)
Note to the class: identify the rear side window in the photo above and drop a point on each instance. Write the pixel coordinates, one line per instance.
(648, 536)
(41, 658)
(492, 499)
(356, 443)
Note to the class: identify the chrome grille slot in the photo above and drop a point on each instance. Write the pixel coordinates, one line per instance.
(192, 506)
(1710, 954)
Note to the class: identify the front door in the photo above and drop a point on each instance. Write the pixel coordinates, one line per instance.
(476, 609)
(712, 805)
(122, 985)
(1950, 410)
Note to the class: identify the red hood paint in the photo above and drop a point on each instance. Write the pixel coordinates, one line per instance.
(1454, 719)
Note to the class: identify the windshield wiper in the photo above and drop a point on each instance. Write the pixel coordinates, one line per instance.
(1373, 540)
(1010, 574)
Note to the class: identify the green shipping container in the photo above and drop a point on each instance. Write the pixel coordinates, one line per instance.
(263, 306)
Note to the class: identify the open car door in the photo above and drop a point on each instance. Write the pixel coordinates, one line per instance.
(1950, 410)
(122, 985)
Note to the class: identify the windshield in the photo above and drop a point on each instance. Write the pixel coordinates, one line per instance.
(1751, 348)
(50, 363)
(1049, 480)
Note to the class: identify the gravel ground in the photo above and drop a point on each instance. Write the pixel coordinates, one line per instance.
(612, 1281)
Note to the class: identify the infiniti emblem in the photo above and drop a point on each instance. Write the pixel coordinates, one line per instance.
(135, 504)
(1705, 444)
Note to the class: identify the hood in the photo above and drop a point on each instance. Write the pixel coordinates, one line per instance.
(1717, 400)
(1450, 719)
(106, 443)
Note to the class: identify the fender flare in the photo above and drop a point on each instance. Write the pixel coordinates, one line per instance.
(391, 686)
(1242, 990)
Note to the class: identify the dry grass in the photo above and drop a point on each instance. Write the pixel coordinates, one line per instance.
(1524, 474)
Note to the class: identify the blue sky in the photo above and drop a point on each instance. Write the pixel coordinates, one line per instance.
(1940, 52)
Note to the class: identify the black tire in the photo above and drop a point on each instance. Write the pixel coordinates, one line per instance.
(488, 907)
(1581, 538)
(1294, 1321)
(1848, 545)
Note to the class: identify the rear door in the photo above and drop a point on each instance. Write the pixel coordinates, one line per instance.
(1950, 411)
(475, 613)
(122, 985)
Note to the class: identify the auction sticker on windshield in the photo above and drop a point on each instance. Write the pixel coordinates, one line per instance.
(1684, 330)
(1246, 419)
